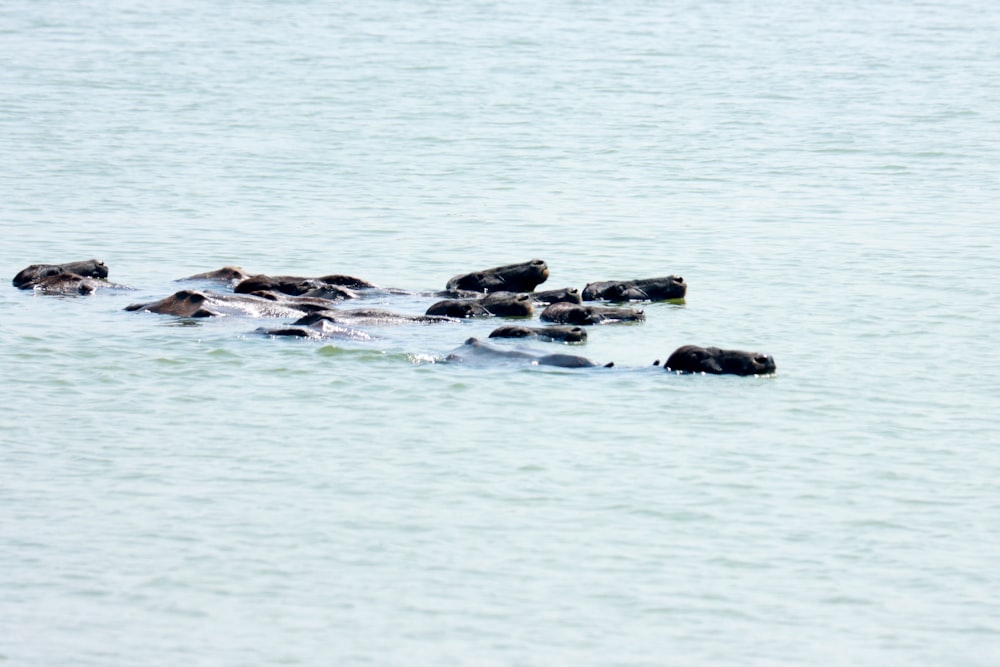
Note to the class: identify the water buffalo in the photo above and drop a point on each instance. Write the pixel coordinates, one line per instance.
(319, 329)
(305, 303)
(340, 287)
(27, 278)
(648, 289)
(191, 303)
(558, 334)
(67, 284)
(523, 277)
(567, 294)
(502, 304)
(572, 313)
(460, 308)
(372, 317)
(475, 350)
(694, 359)
(227, 274)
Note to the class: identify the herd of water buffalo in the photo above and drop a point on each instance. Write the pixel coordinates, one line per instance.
(503, 291)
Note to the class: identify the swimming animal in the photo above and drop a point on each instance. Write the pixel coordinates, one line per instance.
(716, 361)
(558, 334)
(572, 313)
(475, 350)
(503, 304)
(523, 277)
(646, 289)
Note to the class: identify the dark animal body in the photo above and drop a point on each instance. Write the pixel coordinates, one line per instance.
(91, 268)
(501, 291)
(320, 329)
(647, 289)
(72, 278)
(572, 313)
(369, 317)
(191, 303)
(326, 287)
(567, 294)
(225, 274)
(476, 350)
(557, 334)
(523, 277)
(68, 283)
(695, 359)
(503, 304)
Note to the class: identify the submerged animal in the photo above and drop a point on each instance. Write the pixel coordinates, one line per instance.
(192, 303)
(68, 283)
(500, 291)
(475, 350)
(572, 313)
(567, 294)
(372, 317)
(502, 304)
(327, 287)
(33, 275)
(558, 334)
(72, 278)
(523, 277)
(319, 329)
(646, 289)
(231, 274)
(695, 359)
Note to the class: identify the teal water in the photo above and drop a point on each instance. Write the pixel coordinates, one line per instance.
(824, 176)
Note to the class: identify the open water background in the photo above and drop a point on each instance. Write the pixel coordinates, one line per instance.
(824, 175)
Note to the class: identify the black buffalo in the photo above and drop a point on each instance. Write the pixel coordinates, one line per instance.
(647, 289)
(502, 304)
(334, 287)
(694, 359)
(523, 277)
(559, 334)
(572, 313)
(31, 276)
(567, 294)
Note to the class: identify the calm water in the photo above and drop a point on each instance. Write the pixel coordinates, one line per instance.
(825, 177)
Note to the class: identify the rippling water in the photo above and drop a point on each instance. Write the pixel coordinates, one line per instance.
(823, 175)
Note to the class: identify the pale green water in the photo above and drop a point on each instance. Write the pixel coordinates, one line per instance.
(824, 176)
